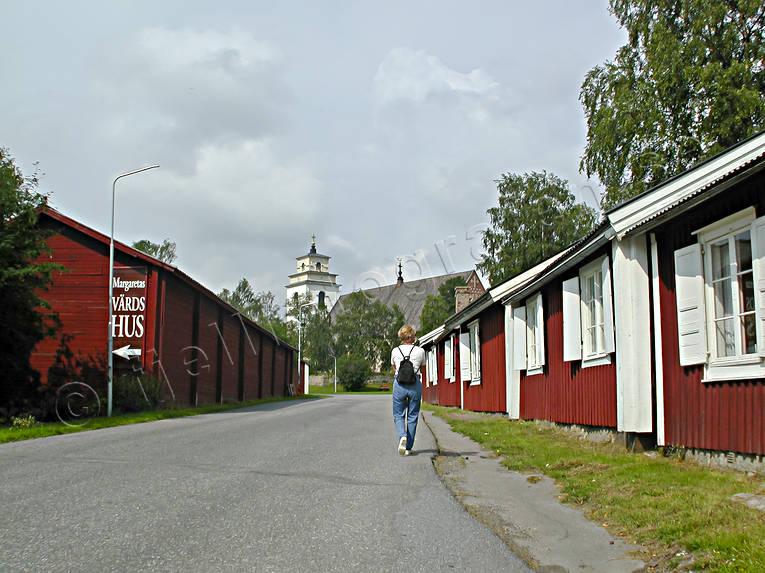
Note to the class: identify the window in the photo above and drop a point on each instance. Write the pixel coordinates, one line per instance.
(449, 373)
(318, 266)
(528, 336)
(593, 334)
(470, 354)
(588, 323)
(718, 283)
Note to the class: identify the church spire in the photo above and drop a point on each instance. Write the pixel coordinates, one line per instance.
(400, 279)
(313, 244)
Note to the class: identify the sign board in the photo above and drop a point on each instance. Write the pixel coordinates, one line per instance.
(129, 307)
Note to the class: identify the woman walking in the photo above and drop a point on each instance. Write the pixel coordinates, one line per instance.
(407, 362)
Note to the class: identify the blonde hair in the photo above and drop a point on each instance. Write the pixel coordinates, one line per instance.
(406, 333)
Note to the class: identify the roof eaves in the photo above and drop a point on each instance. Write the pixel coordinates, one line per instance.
(651, 204)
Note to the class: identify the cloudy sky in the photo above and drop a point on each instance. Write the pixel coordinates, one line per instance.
(378, 126)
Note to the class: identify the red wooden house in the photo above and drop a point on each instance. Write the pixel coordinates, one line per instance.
(201, 347)
(652, 325)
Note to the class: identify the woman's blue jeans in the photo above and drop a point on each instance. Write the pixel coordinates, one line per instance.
(406, 409)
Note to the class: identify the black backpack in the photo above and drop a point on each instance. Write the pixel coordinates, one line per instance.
(406, 373)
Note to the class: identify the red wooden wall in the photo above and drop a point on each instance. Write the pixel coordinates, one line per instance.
(489, 395)
(205, 352)
(565, 392)
(725, 416)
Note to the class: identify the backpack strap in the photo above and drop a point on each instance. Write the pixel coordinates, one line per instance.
(402, 352)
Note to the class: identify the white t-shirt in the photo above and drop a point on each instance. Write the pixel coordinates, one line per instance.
(417, 357)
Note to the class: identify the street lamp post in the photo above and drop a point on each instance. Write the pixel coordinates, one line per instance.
(110, 334)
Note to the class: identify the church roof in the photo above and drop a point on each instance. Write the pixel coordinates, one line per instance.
(409, 296)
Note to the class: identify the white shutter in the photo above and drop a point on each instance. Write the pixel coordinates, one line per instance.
(465, 356)
(434, 359)
(689, 294)
(572, 329)
(608, 308)
(519, 338)
(540, 331)
(758, 262)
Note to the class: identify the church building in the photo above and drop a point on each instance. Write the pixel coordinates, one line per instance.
(313, 277)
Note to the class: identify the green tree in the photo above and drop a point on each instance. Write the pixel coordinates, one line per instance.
(260, 308)
(25, 318)
(367, 329)
(439, 307)
(536, 217)
(353, 372)
(689, 83)
(243, 299)
(164, 252)
(318, 344)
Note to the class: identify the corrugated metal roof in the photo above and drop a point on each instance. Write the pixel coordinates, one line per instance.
(669, 194)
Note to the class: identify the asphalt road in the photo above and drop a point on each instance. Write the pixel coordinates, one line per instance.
(290, 486)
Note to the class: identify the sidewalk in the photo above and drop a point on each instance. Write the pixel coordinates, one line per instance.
(523, 510)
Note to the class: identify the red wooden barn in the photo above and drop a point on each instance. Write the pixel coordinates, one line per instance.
(653, 325)
(201, 347)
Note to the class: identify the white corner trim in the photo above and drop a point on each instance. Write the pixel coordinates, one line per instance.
(657, 345)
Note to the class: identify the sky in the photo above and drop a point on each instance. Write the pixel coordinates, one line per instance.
(380, 127)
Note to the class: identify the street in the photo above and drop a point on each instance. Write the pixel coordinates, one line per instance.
(288, 486)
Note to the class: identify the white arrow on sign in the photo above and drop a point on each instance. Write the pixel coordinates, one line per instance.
(127, 352)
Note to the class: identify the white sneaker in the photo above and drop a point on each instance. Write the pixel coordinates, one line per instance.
(407, 452)
(402, 445)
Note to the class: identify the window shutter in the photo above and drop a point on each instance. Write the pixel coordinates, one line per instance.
(465, 356)
(572, 328)
(447, 358)
(608, 308)
(519, 338)
(689, 294)
(758, 262)
(540, 331)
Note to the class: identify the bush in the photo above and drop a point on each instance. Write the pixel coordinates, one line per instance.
(26, 421)
(134, 393)
(353, 372)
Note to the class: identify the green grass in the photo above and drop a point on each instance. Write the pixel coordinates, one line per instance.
(665, 504)
(42, 430)
(368, 389)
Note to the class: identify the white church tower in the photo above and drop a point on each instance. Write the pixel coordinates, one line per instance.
(313, 276)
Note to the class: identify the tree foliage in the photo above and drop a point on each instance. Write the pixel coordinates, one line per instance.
(318, 344)
(164, 252)
(353, 372)
(260, 307)
(367, 329)
(689, 83)
(537, 216)
(439, 307)
(24, 316)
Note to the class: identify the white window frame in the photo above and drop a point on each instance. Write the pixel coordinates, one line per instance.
(434, 364)
(535, 347)
(604, 345)
(449, 362)
(475, 352)
(739, 365)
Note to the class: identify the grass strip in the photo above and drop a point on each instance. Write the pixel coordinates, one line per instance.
(45, 429)
(680, 512)
(369, 389)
